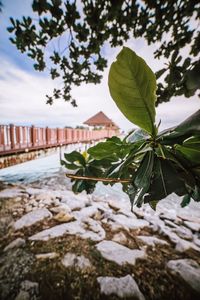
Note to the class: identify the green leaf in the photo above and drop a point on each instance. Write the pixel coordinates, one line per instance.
(189, 127)
(143, 177)
(165, 180)
(186, 200)
(191, 152)
(132, 86)
(104, 150)
(75, 156)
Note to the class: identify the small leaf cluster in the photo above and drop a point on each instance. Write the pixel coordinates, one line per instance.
(79, 32)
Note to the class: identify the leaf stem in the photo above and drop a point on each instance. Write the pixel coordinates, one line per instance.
(72, 176)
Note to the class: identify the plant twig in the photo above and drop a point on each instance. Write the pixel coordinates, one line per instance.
(98, 178)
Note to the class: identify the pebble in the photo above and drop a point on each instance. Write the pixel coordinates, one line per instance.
(193, 226)
(32, 218)
(120, 238)
(188, 270)
(129, 222)
(15, 244)
(44, 256)
(119, 254)
(123, 287)
(64, 217)
(151, 240)
(79, 262)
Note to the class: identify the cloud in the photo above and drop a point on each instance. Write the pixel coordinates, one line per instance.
(22, 101)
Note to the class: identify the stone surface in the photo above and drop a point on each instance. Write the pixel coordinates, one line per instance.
(131, 223)
(15, 244)
(152, 240)
(183, 246)
(193, 226)
(30, 286)
(188, 270)
(169, 214)
(118, 253)
(64, 217)
(120, 238)
(79, 262)
(123, 287)
(86, 212)
(183, 233)
(43, 256)
(11, 193)
(92, 230)
(59, 230)
(23, 296)
(75, 202)
(62, 207)
(31, 218)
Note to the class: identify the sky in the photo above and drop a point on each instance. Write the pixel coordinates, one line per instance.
(23, 90)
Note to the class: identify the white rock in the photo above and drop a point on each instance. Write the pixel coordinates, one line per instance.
(11, 193)
(183, 246)
(188, 270)
(131, 223)
(170, 214)
(15, 244)
(188, 217)
(62, 207)
(43, 256)
(152, 240)
(75, 202)
(155, 221)
(79, 262)
(170, 223)
(116, 205)
(31, 218)
(64, 217)
(166, 231)
(183, 232)
(119, 254)
(96, 232)
(196, 240)
(23, 295)
(28, 286)
(123, 287)
(115, 226)
(180, 244)
(127, 213)
(85, 212)
(120, 238)
(59, 230)
(192, 226)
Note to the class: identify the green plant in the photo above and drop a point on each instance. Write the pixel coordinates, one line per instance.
(69, 39)
(150, 165)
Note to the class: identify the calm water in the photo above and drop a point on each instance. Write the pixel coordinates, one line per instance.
(35, 169)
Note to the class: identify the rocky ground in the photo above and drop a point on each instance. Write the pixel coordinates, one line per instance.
(57, 245)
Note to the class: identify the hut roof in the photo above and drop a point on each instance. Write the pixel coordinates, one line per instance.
(99, 119)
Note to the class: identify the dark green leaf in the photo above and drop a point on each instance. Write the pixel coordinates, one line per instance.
(132, 86)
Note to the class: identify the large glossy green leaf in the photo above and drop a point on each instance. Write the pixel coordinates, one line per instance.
(143, 177)
(165, 180)
(191, 152)
(188, 128)
(132, 86)
(104, 150)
